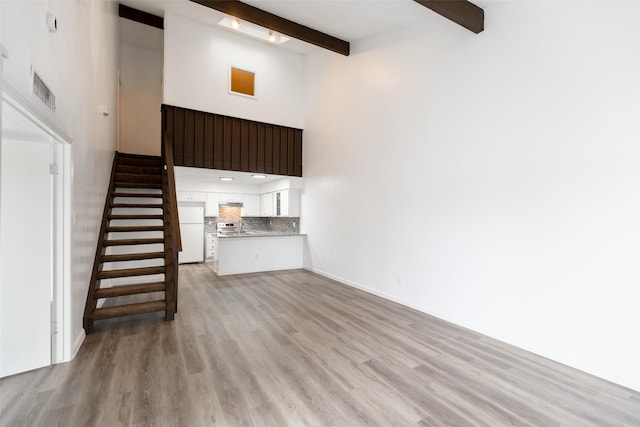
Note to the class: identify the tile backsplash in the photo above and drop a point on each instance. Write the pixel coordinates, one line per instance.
(256, 223)
(229, 214)
(284, 224)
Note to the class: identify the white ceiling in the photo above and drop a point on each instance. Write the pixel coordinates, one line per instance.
(350, 20)
(212, 176)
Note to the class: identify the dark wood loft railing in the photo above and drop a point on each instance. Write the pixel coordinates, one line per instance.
(173, 240)
(207, 140)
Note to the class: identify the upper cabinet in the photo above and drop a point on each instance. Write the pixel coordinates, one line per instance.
(277, 203)
(250, 202)
(191, 196)
(230, 198)
(281, 203)
(251, 205)
(266, 204)
(211, 208)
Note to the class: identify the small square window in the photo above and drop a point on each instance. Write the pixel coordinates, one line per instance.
(242, 82)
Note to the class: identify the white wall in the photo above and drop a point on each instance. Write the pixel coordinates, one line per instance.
(79, 63)
(492, 180)
(196, 73)
(140, 100)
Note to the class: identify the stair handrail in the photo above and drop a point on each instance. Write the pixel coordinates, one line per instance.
(90, 304)
(172, 238)
(167, 158)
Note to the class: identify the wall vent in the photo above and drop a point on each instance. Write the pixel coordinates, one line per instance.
(42, 91)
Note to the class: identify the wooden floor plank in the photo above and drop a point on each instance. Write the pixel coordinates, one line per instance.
(294, 348)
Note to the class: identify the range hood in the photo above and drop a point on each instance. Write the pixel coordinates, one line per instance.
(230, 204)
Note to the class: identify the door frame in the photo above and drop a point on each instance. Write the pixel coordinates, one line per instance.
(61, 346)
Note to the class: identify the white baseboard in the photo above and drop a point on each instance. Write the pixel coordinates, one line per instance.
(421, 309)
(369, 290)
(76, 344)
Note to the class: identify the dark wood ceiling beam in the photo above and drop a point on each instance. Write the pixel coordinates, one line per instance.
(461, 12)
(276, 23)
(140, 16)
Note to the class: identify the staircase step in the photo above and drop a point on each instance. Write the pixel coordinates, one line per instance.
(139, 169)
(122, 290)
(130, 272)
(120, 184)
(138, 160)
(137, 205)
(135, 216)
(131, 257)
(128, 309)
(142, 195)
(138, 178)
(126, 229)
(128, 242)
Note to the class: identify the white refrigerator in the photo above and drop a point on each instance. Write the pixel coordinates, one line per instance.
(192, 234)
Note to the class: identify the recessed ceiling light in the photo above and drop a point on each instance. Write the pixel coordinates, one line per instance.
(258, 176)
(252, 30)
(225, 178)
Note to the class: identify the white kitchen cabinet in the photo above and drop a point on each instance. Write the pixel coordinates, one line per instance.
(191, 196)
(230, 198)
(266, 204)
(282, 203)
(251, 205)
(198, 196)
(211, 207)
(210, 246)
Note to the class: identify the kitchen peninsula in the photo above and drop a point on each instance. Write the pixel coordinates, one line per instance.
(250, 252)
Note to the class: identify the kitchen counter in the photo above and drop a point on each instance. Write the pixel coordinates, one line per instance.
(258, 234)
(248, 252)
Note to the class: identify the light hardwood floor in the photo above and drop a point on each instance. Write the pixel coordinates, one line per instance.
(294, 348)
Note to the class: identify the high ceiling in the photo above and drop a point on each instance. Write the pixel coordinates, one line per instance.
(350, 20)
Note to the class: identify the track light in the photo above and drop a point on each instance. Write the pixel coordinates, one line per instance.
(252, 30)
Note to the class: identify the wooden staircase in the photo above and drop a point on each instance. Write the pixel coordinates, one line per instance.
(135, 267)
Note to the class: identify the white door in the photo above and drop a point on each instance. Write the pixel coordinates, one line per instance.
(25, 245)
